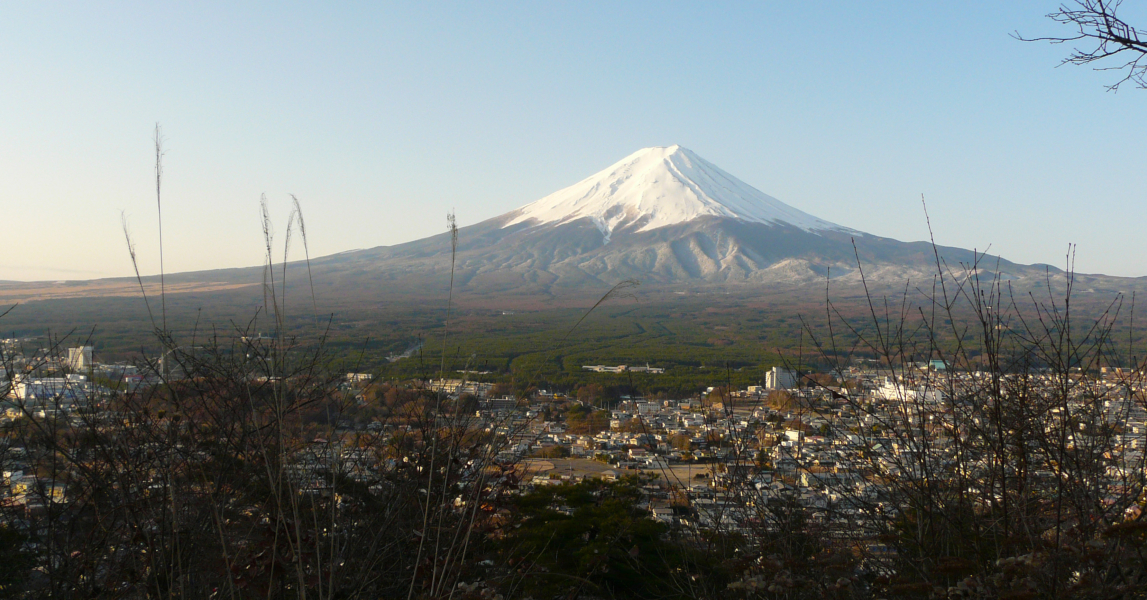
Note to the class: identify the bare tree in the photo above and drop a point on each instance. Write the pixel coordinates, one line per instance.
(1106, 37)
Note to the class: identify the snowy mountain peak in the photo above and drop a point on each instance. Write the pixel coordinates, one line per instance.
(658, 187)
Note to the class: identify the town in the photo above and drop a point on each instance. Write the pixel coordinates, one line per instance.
(835, 444)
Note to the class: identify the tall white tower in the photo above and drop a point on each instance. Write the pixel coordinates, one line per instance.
(80, 359)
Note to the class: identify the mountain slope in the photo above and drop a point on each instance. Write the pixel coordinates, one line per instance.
(664, 216)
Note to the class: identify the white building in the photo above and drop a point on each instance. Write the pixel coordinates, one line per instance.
(69, 388)
(891, 390)
(80, 359)
(780, 379)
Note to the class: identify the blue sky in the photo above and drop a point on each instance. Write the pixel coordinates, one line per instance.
(382, 118)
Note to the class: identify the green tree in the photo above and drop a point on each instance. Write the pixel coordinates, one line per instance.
(593, 539)
(15, 563)
(681, 441)
(780, 400)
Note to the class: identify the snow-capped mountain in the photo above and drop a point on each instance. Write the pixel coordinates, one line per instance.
(662, 215)
(659, 187)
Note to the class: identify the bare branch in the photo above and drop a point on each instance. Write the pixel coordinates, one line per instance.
(1107, 36)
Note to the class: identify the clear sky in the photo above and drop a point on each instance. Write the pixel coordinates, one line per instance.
(383, 117)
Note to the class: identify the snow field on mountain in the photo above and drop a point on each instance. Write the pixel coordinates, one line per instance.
(658, 187)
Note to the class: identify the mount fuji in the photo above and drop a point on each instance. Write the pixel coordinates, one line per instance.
(664, 216)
